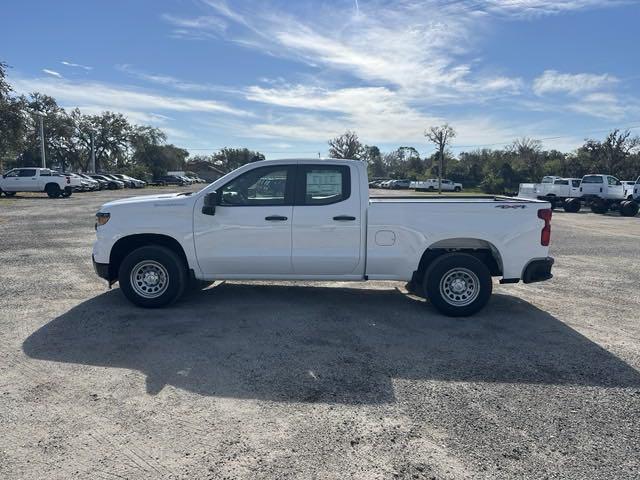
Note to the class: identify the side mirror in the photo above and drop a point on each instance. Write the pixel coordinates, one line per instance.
(210, 200)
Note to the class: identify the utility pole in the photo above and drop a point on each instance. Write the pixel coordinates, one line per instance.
(93, 151)
(42, 149)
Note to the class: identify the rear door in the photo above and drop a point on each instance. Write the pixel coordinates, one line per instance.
(327, 221)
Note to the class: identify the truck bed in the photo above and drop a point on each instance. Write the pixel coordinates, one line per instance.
(399, 228)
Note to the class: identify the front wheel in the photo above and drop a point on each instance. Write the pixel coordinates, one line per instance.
(9, 194)
(458, 284)
(152, 276)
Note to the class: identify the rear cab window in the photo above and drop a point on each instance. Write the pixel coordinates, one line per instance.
(323, 184)
(592, 179)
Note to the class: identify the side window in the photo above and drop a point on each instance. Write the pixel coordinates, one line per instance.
(27, 172)
(613, 181)
(592, 179)
(323, 184)
(266, 186)
(11, 173)
(575, 183)
(45, 173)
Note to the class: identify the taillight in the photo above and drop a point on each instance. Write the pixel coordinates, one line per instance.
(545, 236)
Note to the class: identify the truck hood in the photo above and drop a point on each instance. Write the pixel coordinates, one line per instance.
(165, 199)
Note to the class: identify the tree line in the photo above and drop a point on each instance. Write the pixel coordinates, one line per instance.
(495, 170)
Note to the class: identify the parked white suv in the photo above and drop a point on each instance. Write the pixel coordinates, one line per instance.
(34, 179)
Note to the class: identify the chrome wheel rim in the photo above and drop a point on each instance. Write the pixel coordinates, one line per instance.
(459, 287)
(149, 279)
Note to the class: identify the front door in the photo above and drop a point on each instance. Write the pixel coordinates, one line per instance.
(327, 221)
(250, 233)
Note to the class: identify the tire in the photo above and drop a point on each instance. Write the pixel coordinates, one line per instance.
(553, 202)
(457, 189)
(160, 263)
(599, 207)
(629, 208)
(431, 189)
(52, 190)
(9, 194)
(467, 271)
(66, 192)
(112, 186)
(572, 205)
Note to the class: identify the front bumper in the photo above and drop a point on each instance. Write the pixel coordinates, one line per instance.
(538, 270)
(102, 269)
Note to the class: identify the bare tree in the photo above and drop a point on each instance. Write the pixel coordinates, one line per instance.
(440, 136)
(346, 145)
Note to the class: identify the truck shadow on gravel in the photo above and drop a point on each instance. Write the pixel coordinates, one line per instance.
(314, 344)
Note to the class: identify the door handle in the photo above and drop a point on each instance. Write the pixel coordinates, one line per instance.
(275, 218)
(344, 218)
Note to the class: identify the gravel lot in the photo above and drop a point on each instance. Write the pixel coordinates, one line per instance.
(251, 380)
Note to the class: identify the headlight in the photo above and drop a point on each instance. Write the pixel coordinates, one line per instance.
(102, 218)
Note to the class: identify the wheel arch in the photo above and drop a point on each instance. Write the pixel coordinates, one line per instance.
(126, 245)
(484, 250)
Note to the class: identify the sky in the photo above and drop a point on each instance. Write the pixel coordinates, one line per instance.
(284, 76)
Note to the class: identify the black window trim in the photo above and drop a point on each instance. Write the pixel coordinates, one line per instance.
(301, 183)
(289, 189)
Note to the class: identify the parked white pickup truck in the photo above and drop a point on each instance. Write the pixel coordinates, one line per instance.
(605, 192)
(34, 179)
(314, 220)
(431, 185)
(555, 190)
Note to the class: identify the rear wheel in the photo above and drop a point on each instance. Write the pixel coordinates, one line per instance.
(629, 208)
(52, 190)
(458, 284)
(572, 205)
(152, 276)
(599, 206)
(9, 194)
(457, 189)
(66, 192)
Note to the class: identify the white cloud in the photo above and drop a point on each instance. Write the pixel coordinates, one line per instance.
(543, 7)
(53, 73)
(76, 65)
(173, 82)
(115, 97)
(552, 81)
(602, 105)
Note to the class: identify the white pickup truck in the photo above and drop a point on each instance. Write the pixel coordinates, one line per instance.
(34, 179)
(431, 185)
(605, 192)
(555, 190)
(314, 220)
